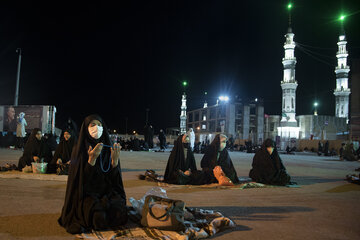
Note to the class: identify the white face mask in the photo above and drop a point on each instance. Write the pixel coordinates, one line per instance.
(95, 131)
(222, 146)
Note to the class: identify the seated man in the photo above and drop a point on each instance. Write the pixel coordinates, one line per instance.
(181, 158)
(267, 166)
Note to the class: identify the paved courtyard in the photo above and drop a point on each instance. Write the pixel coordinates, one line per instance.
(324, 207)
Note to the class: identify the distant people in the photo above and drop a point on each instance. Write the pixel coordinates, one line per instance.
(231, 143)
(267, 166)
(288, 150)
(151, 136)
(20, 130)
(217, 155)
(95, 196)
(61, 160)
(320, 148)
(181, 158)
(9, 121)
(349, 152)
(341, 152)
(35, 150)
(50, 140)
(326, 148)
(191, 135)
(162, 139)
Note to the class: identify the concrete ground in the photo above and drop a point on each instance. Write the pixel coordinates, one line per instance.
(324, 207)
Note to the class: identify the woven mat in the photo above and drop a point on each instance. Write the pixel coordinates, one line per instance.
(206, 223)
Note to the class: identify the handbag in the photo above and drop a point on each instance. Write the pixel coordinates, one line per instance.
(163, 213)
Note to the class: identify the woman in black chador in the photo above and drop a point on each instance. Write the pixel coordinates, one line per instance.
(181, 158)
(267, 166)
(35, 150)
(95, 196)
(217, 155)
(63, 151)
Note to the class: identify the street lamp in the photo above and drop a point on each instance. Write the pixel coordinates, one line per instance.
(315, 108)
(224, 98)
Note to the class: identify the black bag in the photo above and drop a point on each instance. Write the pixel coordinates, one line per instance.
(163, 213)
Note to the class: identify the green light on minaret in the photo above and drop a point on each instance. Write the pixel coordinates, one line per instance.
(184, 83)
(289, 6)
(342, 17)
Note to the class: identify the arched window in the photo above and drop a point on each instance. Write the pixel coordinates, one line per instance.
(292, 102)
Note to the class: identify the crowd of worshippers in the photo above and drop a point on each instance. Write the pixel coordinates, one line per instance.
(95, 196)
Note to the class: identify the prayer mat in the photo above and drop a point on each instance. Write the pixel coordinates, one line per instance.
(201, 224)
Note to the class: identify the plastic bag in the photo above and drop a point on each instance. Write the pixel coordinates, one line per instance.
(138, 204)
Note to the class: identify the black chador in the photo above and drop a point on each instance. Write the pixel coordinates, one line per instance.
(213, 157)
(64, 149)
(268, 168)
(95, 196)
(177, 160)
(34, 148)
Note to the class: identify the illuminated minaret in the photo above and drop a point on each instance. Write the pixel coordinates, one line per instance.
(288, 124)
(342, 70)
(183, 115)
(183, 111)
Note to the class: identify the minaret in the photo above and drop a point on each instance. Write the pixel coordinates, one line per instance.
(183, 115)
(288, 124)
(342, 70)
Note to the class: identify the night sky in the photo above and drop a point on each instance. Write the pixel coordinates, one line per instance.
(118, 60)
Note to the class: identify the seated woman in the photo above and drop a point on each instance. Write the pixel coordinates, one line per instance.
(267, 166)
(217, 155)
(216, 167)
(95, 196)
(36, 150)
(181, 158)
(63, 153)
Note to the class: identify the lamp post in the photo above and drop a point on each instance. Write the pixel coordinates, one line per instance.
(17, 78)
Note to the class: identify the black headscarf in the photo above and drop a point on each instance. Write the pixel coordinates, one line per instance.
(210, 161)
(177, 161)
(72, 217)
(267, 168)
(34, 147)
(64, 148)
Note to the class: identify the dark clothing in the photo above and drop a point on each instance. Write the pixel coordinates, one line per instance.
(95, 198)
(213, 158)
(10, 126)
(34, 147)
(177, 161)
(63, 151)
(162, 139)
(268, 169)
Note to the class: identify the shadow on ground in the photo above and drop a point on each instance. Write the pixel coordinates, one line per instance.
(33, 225)
(271, 213)
(308, 180)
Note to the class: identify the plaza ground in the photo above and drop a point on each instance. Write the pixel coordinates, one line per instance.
(324, 207)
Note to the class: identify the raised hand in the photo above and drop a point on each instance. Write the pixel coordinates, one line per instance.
(115, 154)
(94, 153)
